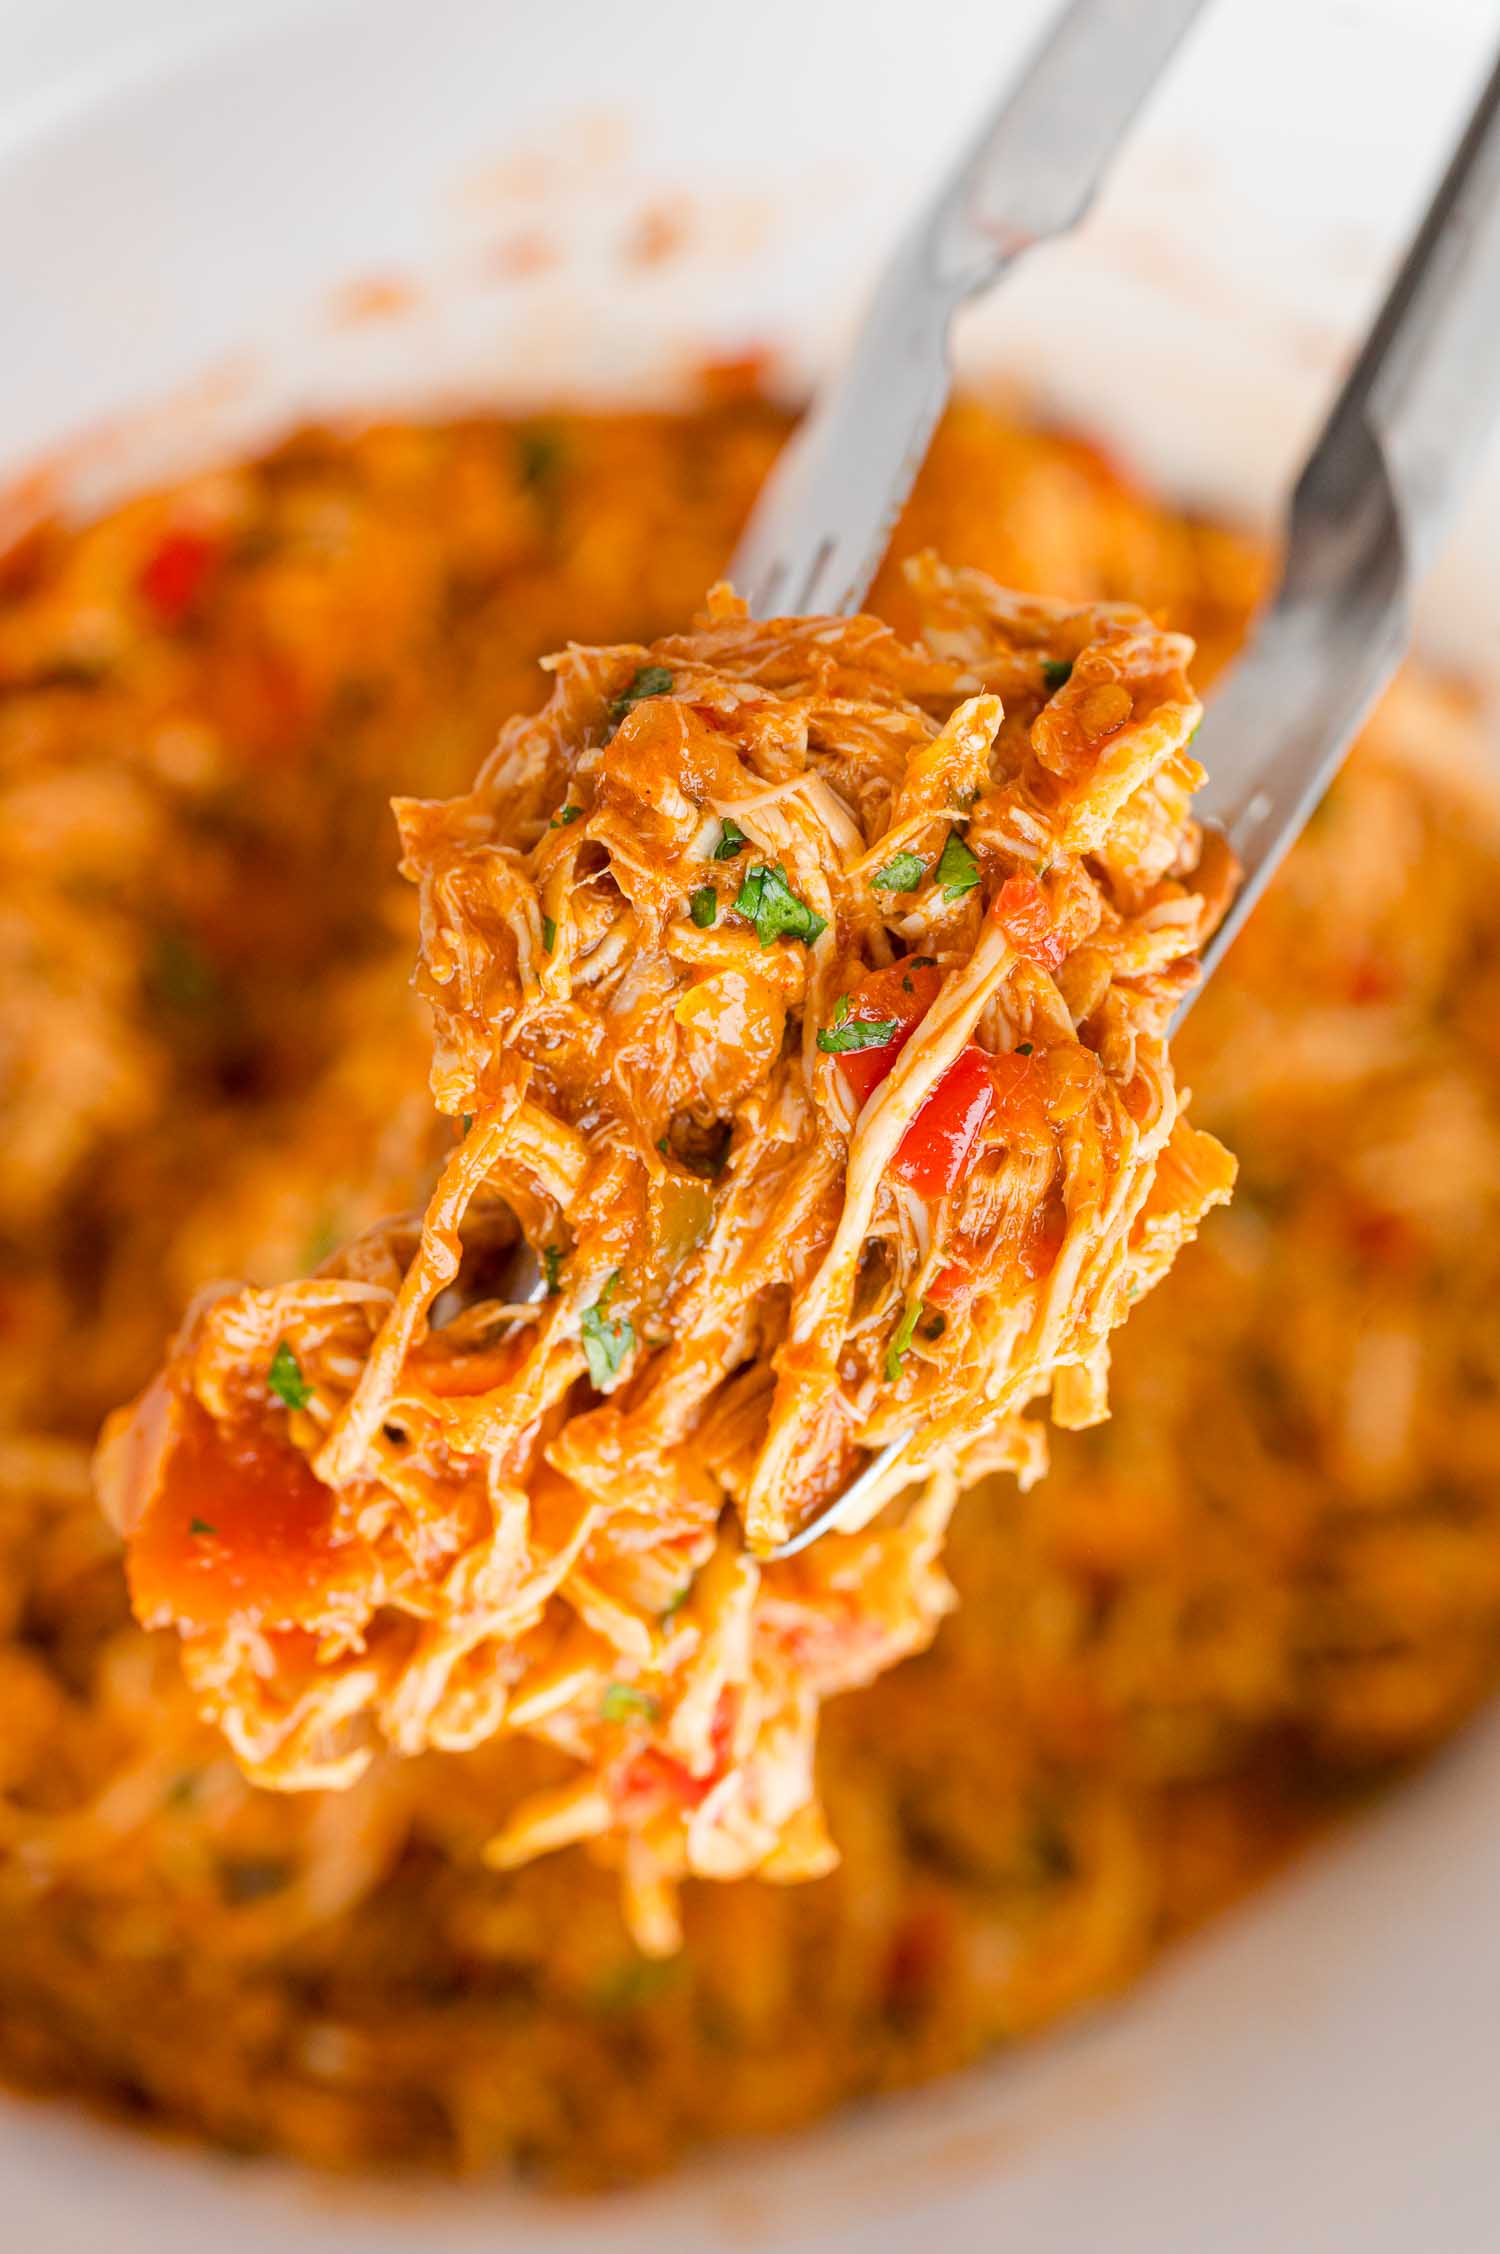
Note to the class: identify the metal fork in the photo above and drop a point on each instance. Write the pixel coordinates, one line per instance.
(1366, 515)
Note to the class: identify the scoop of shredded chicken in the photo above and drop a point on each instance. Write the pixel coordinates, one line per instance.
(800, 998)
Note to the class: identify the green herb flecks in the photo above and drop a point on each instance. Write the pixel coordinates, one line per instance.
(565, 816)
(638, 1981)
(703, 906)
(540, 454)
(622, 1700)
(846, 1032)
(901, 1338)
(651, 681)
(957, 870)
(552, 1268)
(201, 1526)
(322, 1240)
(606, 1344)
(767, 900)
(1056, 671)
(181, 977)
(732, 840)
(285, 1378)
(902, 873)
(549, 934)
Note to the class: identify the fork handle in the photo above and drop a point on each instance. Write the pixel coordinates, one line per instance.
(827, 512)
(1367, 515)
(1428, 378)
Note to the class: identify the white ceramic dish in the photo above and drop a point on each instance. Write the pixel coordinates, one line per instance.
(194, 201)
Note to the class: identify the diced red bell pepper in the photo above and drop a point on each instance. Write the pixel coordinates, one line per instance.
(176, 573)
(936, 1150)
(904, 993)
(947, 1286)
(1020, 908)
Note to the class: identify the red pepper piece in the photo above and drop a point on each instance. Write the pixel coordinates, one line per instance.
(176, 573)
(936, 1151)
(903, 994)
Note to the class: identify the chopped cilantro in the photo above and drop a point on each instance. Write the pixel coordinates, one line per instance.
(565, 815)
(846, 1032)
(678, 1601)
(605, 1344)
(905, 1331)
(549, 933)
(921, 962)
(957, 870)
(767, 900)
(638, 1981)
(540, 453)
(651, 681)
(703, 906)
(201, 1526)
(551, 1265)
(466, 1121)
(902, 873)
(320, 1243)
(732, 840)
(286, 1380)
(181, 976)
(1056, 671)
(1023, 1048)
(621, 1700)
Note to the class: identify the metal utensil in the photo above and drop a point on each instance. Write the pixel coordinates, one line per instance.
(1366, 515)
(827, 511)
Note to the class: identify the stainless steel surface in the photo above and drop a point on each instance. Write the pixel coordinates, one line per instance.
(1366, 517)
(822, 523)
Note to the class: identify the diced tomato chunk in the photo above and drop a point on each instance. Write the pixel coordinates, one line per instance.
(176, 573)
(935, 1152)
(652, 1779)
(947, 1286)
(1020, 908)
(903, 994)
(1020, 1082)
(239, 1528)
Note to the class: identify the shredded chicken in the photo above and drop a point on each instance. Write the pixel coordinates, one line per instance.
(800, 997)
